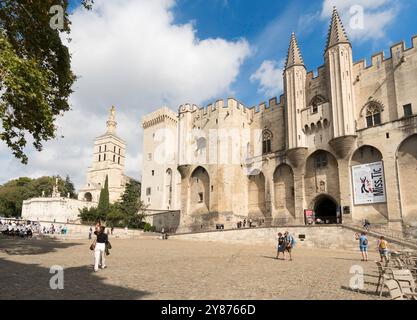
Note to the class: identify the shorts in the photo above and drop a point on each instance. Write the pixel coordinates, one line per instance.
(288, 249)
(364, 249)
(383, 253)
(281, 249)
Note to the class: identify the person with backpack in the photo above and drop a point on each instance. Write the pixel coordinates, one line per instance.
(383, 249)
(290, 243)
(364, 246)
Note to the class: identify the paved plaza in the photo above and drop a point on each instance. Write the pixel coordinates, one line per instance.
(178, 270)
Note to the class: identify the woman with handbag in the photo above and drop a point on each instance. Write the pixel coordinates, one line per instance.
(100, 249)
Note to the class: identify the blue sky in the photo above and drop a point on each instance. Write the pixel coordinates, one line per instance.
(140, 55)
(232, 19)
(267, 25)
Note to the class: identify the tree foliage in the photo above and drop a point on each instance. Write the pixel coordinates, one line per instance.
(35, 72)
(104, 201)
(129, 211)
(13, 193)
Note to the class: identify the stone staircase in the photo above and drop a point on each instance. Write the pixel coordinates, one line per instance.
(406, 237)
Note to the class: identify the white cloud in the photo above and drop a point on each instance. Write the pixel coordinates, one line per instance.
(269, 76)
(131, 54)
(363, 20)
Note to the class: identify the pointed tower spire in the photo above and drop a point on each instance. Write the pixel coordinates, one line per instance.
(337, 33)
(294, 57)
(111, 123)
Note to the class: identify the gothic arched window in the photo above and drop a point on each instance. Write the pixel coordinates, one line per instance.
(266, 142)
(373, 114)
(316, 102)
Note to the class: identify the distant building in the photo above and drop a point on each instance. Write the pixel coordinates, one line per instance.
(56, 208)
(108, 160)
(341, 145)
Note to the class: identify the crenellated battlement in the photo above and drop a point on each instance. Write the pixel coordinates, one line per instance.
(231, 104)
(320, 74)
(398, 53)
(159, 116)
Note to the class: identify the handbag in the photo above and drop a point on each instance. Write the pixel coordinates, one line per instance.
(108, 247)
(93, 245)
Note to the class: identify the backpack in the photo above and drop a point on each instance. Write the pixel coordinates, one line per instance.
(383, 245)
(292, 241)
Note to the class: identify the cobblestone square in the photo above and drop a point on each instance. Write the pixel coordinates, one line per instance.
(179, 270)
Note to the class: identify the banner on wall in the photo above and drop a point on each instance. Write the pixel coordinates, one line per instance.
(369, 183)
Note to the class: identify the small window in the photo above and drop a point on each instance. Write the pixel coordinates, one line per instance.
(149, 191)
(149, 156)
(377, 119)
(114, 158)
(114, 149)
(408, 110)
(321, 160)
(373, 115)
(104, 159)
(267, 142)
(315, 109)
(118, 161)
(153, 173)
(369, 121)
(200, 197)
(119, 151)
(105, 147)
(100, 149)
(99, 158)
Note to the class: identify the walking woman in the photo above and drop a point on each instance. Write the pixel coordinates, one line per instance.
(100, 249)
(281, 246)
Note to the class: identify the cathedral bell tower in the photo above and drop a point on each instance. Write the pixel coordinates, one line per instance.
(339, 69)
(108, 161)
(295, 100)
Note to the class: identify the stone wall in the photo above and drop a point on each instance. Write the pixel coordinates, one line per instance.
(170, 221)
(61, 210)
(80, 232)
(323, 237)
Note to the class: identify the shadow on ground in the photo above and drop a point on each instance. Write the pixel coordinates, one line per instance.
(32, 282)
(34, 246)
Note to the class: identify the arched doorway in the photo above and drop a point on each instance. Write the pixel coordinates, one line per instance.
(321, 177)
(326, 210)
(200, 191)
(256, 190)
(407, 175)
(88, 197)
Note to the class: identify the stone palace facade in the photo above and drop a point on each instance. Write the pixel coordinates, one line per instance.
(340, 146)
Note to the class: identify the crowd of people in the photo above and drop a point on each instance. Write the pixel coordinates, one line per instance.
(249, 223)
(26, 229)
(17, 228)
(52, 229)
